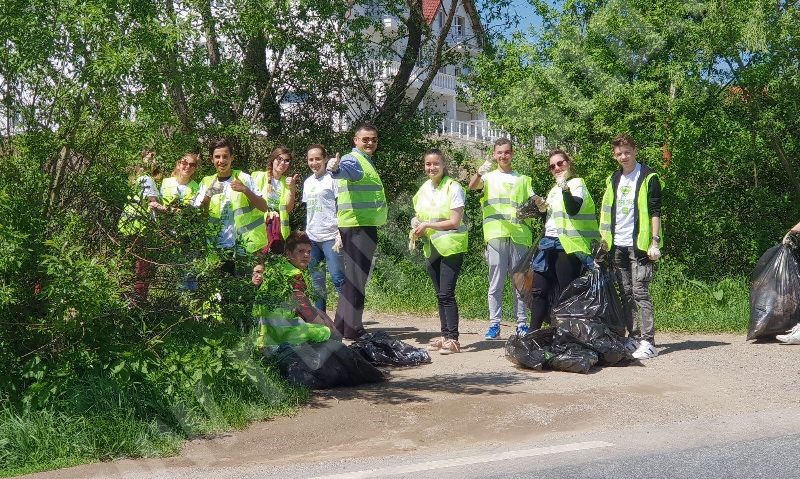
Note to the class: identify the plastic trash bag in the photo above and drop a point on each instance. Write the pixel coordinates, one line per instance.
(774, 293)
(593, 296)
(530, 350)
(324, 365)
(593, 335)
(572, 358)
(381, 349)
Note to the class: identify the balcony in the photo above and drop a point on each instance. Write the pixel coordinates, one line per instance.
(483, 132)
(443, 83)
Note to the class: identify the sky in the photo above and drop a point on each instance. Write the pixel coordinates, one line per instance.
(527, 17)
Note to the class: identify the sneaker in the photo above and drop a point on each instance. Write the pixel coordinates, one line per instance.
(791, 337)
(450, 346)
(522, 329)
(646, 350)
(435, 344)
(631, 345)
(493, 332)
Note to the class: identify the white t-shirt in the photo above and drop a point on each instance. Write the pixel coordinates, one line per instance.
(576, 189)
(626, 193)
(274, 196)
(319, 195)
(457, 195)
(227, 235)
(147, 186)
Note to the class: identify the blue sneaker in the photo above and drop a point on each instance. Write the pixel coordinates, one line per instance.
(493, 332)
(522, 329)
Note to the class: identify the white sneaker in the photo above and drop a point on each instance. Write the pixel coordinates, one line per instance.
(645, 350)
(631, 345)
(791, 337)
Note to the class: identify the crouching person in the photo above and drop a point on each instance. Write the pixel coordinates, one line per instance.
(284, 312)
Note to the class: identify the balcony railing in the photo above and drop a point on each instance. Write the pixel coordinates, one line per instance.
(482, 131)
(388, 69)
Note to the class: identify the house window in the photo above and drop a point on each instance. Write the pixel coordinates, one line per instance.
(459, 26)
(457, 71)
(439, 20)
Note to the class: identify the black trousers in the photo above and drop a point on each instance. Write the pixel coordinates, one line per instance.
(562, 269)
(444, 271)
(358, 245)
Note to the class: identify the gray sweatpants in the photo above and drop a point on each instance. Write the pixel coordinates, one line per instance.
(503, 255)
(634, 273)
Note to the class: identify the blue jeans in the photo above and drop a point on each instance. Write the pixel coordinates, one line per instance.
(334, 261)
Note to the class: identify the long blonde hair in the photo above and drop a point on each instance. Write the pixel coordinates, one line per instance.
(187, 157)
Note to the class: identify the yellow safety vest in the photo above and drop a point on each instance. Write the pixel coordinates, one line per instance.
(262, 180)
(362, 202)
(575, 232)
(248, 221)
(432, 205)
(502, 195)
(644, 238)
(169, 191)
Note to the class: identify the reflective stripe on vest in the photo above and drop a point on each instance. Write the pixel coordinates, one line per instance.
(644, 237)
(575, 232)
(433, 205)
(169, 191)
(500, 201)
(362, 202)
(262, 180)
(248, 222)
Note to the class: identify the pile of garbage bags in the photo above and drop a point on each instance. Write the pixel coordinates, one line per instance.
(332, 364)
(588, 326)
(775, 291)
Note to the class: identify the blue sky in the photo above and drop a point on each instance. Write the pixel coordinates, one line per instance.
(527, 17)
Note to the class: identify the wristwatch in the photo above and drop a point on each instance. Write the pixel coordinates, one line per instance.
(657, 238)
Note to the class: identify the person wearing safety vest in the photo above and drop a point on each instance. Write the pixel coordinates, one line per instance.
(439, 208)
(630, 225)
(140, 210)
(278, 189)
(179, 190)
(507, 237)
(792, 336)
(361, 208)
(569, 228)
(235, 207)
(319, 195)
(284, 313)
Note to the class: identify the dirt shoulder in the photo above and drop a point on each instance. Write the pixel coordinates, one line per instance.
(478, 397)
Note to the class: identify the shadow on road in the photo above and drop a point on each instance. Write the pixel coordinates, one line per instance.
(688, 346)
(405, 390)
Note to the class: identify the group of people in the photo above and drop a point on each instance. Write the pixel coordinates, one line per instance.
(346, 204)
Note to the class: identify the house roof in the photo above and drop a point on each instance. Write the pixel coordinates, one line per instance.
(429, 9)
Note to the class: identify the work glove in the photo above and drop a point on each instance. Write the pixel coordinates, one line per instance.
(486, 167)
(786, 239)
(333, 163)
(414, 223)
(215, 189)
(540, 203)
(337, 244)
(562, 183)
(412, 240)
(653, 252)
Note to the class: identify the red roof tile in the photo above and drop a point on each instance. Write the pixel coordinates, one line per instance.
(429, 9)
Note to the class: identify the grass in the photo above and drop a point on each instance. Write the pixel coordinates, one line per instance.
(681, 304)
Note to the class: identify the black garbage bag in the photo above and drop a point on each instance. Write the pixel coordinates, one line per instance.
(572, 358)
(522, 279)
(774, 293)
(324, 365)
(381, 349)
(594, 335)
(531, 350)
(592, 296)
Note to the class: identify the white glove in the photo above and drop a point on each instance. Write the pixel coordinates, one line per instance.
(786, 240)
(486, 167)
(337, 245)
(333, 163)
(415, 222)
(540, 203)
(412, 240)
(215, 189)
(562, 183)
(654, 253)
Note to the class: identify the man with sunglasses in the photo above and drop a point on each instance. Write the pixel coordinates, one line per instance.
(507, 237)
(361, 208)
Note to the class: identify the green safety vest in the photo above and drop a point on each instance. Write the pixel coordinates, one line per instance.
(278, 323)
(644, 238)
(362, 202)
(135, 212)
(432, 205)
(248, 221)
(169, 191)
(262, 180)
(499, 203)
(574, 232)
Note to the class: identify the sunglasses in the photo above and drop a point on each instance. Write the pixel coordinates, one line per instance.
(284, 159)
(189, 164)
(559, 163)
(369, 139)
